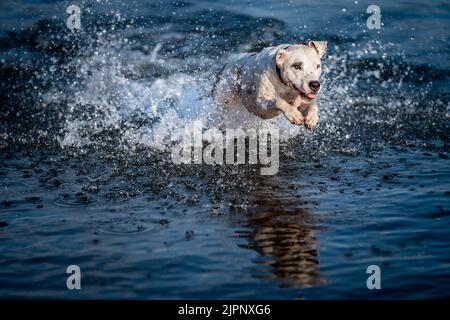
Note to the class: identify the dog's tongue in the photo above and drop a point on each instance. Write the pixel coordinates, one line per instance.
(311, 95)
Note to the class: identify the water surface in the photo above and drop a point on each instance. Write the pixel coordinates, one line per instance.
(87, 179)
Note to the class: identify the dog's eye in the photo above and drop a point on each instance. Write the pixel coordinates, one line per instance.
(318, 66)
(297, 66)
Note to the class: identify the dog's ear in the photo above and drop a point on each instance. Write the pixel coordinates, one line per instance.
(281, 57)
(320, 46)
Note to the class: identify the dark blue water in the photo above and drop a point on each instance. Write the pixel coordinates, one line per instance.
(86, 176)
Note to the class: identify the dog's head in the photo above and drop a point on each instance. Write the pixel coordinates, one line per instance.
(300, 67)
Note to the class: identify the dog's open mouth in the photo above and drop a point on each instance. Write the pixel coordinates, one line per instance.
(307, 96)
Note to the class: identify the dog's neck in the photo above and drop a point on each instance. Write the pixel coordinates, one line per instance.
(277, 69)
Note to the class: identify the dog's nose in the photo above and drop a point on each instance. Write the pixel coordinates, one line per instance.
(314, 85)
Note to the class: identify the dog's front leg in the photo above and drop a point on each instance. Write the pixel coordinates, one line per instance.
(312, 116)
(290, 112)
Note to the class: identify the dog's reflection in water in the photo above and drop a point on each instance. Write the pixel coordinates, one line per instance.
(281, 230)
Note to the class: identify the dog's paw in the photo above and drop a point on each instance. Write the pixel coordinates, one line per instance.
(294, 116)
(311, 120)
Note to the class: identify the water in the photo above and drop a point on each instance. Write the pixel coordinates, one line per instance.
(86, 176)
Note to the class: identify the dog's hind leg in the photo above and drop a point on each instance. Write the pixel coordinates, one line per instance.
(225, 90)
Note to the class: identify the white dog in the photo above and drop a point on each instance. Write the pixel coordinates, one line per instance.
(283, 78)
